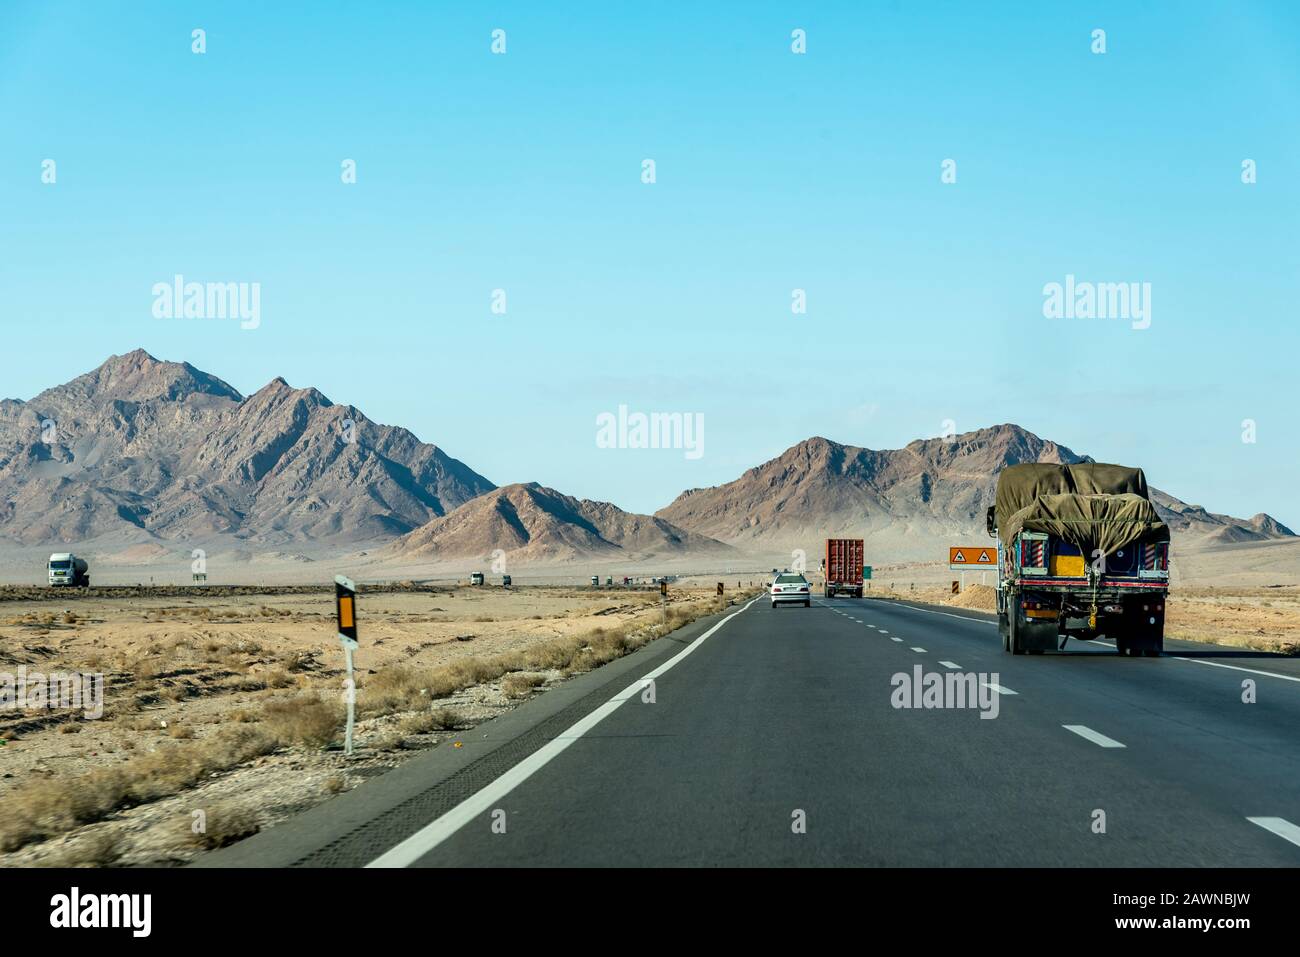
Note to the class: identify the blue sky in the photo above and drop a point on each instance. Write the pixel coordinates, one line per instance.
(775, 171)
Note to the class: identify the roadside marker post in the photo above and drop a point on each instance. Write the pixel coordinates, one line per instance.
(345, 610)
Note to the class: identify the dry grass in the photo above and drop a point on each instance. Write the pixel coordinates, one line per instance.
(427, 722)
(221, 825)
(521, 684)
(100, 848)
(305, 720)
(42, 808)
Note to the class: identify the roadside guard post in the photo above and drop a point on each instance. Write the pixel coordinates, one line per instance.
(719, 589)
(345, 609)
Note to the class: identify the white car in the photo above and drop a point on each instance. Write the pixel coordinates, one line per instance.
(791, 588)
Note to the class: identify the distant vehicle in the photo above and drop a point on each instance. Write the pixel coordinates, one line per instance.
(595, 581)
(609, 582)
(843, 567)
(505, 581)
(791, 589)
(67, 569)
(476, 578)
(1081, 552)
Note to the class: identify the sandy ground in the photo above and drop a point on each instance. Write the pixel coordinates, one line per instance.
(183, 674)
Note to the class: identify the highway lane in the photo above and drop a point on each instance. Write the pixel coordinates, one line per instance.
(787, 714)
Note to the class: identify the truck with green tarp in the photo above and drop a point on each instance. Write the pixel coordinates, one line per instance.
(1082, 553)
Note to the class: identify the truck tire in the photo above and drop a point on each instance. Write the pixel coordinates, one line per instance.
(1013, 634)
(1002, 630)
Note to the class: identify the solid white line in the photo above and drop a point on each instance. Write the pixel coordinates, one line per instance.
(431, 835)
(1279, 826)
(1095, 737)
(1253, 671)
(1001, 690)
(919, 651)
(931, 611)
(1195, 661)
(951, 664)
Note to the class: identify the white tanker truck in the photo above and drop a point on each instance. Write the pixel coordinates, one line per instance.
(67, 569)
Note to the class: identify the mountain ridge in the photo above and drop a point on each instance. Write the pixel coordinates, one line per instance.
(929, 492)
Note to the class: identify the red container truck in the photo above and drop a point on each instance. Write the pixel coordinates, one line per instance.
(843, 567)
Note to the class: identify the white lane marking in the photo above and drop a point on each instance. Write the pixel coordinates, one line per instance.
(951, 664)
(882, 631)
(1279, 826)
(892, 638)
(919, 651)
(930, 611)
(1195, 661)
(1003, 690)
(1253, 671)
(431, 835)
(1095, 737)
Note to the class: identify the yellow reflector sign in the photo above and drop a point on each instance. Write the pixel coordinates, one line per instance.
(346, 617)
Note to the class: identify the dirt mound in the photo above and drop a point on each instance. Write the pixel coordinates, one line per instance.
(979, 597)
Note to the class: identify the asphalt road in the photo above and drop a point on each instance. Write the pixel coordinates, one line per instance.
(785, 717)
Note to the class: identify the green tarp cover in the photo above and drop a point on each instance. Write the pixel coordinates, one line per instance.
(1018, 485)
(1091, 522)
(1092, 505)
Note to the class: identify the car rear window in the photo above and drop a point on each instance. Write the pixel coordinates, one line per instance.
(790, 579)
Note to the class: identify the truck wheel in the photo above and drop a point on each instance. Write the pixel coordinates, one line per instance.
(1013, 635)
(1002, 630)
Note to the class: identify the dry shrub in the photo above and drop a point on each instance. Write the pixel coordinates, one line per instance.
(99, 848)
(520, 685)
(221, 825)
(426, 722)
(306, 720)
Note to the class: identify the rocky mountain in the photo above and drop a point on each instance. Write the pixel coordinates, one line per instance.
(910, 501)
(532, 523)
(144, 449)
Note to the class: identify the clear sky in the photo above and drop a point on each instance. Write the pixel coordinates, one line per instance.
(774, 172)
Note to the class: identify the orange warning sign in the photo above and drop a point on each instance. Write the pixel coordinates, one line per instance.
(972, 557)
